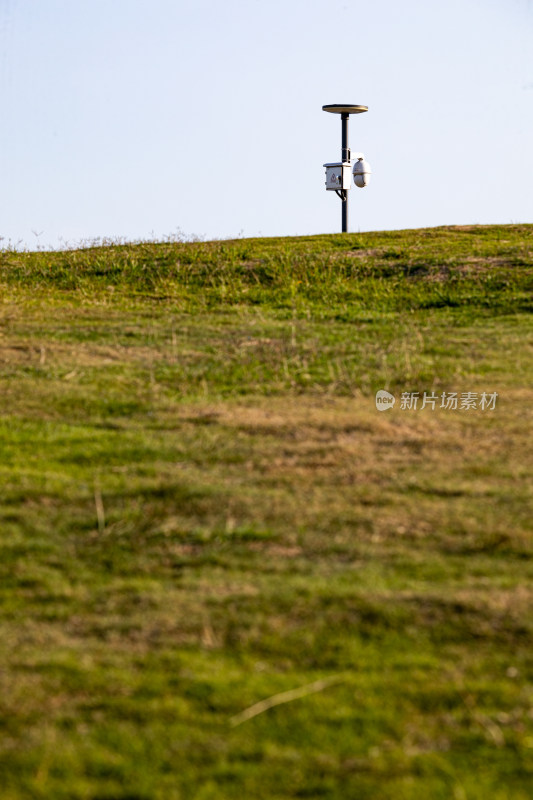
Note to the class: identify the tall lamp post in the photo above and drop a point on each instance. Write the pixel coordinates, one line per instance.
(339, 173)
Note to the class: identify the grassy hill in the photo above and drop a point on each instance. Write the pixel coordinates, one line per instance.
(223, 571)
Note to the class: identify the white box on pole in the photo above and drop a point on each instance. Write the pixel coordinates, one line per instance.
(338, 175)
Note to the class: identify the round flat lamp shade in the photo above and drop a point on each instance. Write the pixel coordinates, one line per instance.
(344, 108)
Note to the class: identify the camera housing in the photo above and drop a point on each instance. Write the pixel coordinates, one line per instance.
(361, 172)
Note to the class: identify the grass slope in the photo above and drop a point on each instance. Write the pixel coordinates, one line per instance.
(201, 509)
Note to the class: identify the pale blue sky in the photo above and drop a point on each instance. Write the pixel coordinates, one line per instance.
(139, 118)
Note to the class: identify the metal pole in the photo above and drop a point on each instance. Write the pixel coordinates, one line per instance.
(345, 157)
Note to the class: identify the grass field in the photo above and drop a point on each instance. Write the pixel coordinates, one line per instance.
(224, 572)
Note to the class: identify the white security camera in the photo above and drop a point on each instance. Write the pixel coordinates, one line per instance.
(361, 172)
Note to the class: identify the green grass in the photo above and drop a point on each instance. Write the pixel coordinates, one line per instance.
(201, 508)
